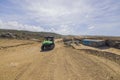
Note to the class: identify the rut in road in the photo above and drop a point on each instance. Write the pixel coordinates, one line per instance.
(68, 64)
(62, 63)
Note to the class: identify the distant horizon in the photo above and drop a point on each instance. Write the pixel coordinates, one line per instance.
(67, 17)
(61, 34)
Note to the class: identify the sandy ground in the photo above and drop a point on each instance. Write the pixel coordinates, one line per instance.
(26, 62)
(10, 42)
(106, 49)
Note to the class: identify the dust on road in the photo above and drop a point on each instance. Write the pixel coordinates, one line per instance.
(26, 62)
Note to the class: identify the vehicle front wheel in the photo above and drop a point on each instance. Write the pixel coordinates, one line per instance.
(43, 48)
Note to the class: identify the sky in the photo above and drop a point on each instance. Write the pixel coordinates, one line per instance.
(67, 17)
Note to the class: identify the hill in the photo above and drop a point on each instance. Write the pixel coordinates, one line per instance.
(18, 34)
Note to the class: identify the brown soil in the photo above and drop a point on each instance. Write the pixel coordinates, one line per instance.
(26, 62)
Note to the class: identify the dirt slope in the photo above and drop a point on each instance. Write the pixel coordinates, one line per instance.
(63, 63)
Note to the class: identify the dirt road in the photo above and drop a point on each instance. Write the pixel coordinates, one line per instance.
(26, 62)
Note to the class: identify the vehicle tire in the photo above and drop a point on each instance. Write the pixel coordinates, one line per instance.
(52, 46)
(43, 48)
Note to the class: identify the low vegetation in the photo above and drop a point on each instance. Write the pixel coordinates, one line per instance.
(15, 34)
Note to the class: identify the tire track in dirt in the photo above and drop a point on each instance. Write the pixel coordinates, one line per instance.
(62, 63)
(24, 69)
(42, 68)
(111, 73)
(85, 67)
(5, 47)
(68, 64)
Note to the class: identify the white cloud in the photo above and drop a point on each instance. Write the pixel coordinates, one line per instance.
(18, 26)
(59, 14)
(58, 11)
(64, 29)
(1, 22)
(91, 27)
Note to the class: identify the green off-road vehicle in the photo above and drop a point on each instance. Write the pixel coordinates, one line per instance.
(48, 44)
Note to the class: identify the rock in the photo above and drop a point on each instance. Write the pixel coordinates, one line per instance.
(8, 35)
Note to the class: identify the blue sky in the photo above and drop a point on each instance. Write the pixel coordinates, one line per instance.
(78, 17)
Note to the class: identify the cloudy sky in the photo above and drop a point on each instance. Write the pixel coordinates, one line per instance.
(78, 17)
